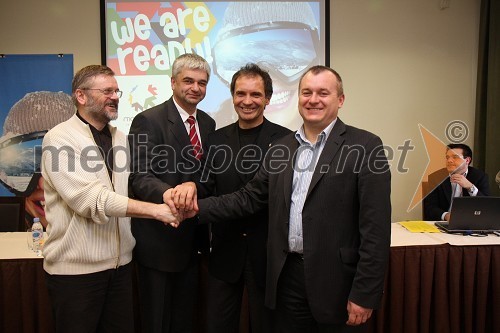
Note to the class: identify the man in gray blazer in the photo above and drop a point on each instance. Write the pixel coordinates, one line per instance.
(328, 190)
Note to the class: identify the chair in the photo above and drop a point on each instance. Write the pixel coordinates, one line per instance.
(434, 180)
(425, 191)
(12, 214)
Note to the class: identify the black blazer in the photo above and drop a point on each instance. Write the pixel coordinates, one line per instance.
(346, 219)
(234, 240)
(160, 159)
(438, 201)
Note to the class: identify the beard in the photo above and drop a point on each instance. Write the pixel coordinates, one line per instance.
(99, 111)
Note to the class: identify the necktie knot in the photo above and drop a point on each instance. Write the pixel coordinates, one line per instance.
(191, 121)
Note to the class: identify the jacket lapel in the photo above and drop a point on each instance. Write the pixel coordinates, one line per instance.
(447, 190)
(292, 145)
(177, 127)
(265, 137)
(204, 126)
(332, 146)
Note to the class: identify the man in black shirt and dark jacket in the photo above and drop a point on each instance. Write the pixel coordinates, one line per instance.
(238, 254)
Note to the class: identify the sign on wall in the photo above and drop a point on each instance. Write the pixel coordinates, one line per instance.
(34, 97)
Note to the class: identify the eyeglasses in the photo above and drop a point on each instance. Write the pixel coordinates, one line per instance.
(106, 92)
(285, 49)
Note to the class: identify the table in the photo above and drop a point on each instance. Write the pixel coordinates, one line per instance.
(24, 300)
(442, 283)
(435, 283)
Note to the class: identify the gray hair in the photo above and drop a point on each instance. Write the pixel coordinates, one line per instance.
(190, 61)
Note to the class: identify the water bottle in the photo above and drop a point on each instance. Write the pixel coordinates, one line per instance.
(37, 234)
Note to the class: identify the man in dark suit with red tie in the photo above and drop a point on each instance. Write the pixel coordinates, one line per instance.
(460, 179)
(328, 190)
(238, 247)
(165, 144)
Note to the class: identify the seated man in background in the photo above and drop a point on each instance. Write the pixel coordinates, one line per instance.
(463, 180)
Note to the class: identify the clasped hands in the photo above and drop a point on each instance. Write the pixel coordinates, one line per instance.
(182, 201)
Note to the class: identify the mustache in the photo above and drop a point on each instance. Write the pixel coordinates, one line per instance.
(112, 103)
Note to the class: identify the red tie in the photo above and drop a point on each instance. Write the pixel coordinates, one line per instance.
(193, 136)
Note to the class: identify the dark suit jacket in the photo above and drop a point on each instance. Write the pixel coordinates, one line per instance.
(234, 240)
(159, 146)
(346, 219)
(438, 201)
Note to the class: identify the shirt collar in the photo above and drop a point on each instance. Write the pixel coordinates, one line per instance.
(325, 133)
(105, 130)
(183, 113)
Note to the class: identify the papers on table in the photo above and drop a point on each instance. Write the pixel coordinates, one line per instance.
(419, 226)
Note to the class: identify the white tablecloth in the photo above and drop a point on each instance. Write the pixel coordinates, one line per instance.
(14, 244)
(402, 237)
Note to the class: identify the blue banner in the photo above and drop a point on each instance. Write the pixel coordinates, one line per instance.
(34, 97)
(21, 74)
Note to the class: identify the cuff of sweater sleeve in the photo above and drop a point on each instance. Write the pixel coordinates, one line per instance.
(117, 205)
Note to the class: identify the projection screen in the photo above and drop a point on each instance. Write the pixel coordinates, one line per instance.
(140, 41)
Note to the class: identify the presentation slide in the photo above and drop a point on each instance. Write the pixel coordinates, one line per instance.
(144, 38)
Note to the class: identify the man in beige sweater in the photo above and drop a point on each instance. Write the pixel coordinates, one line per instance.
(89, 246)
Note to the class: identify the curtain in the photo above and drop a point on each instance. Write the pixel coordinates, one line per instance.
(487, 124)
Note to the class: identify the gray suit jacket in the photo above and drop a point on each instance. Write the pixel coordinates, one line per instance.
(346, 219)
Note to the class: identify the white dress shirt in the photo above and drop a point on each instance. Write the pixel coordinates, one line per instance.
(305, 162)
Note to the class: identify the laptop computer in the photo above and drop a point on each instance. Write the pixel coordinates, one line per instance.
(473, 215)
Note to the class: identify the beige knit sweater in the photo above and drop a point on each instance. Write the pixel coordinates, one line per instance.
(87, 228)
